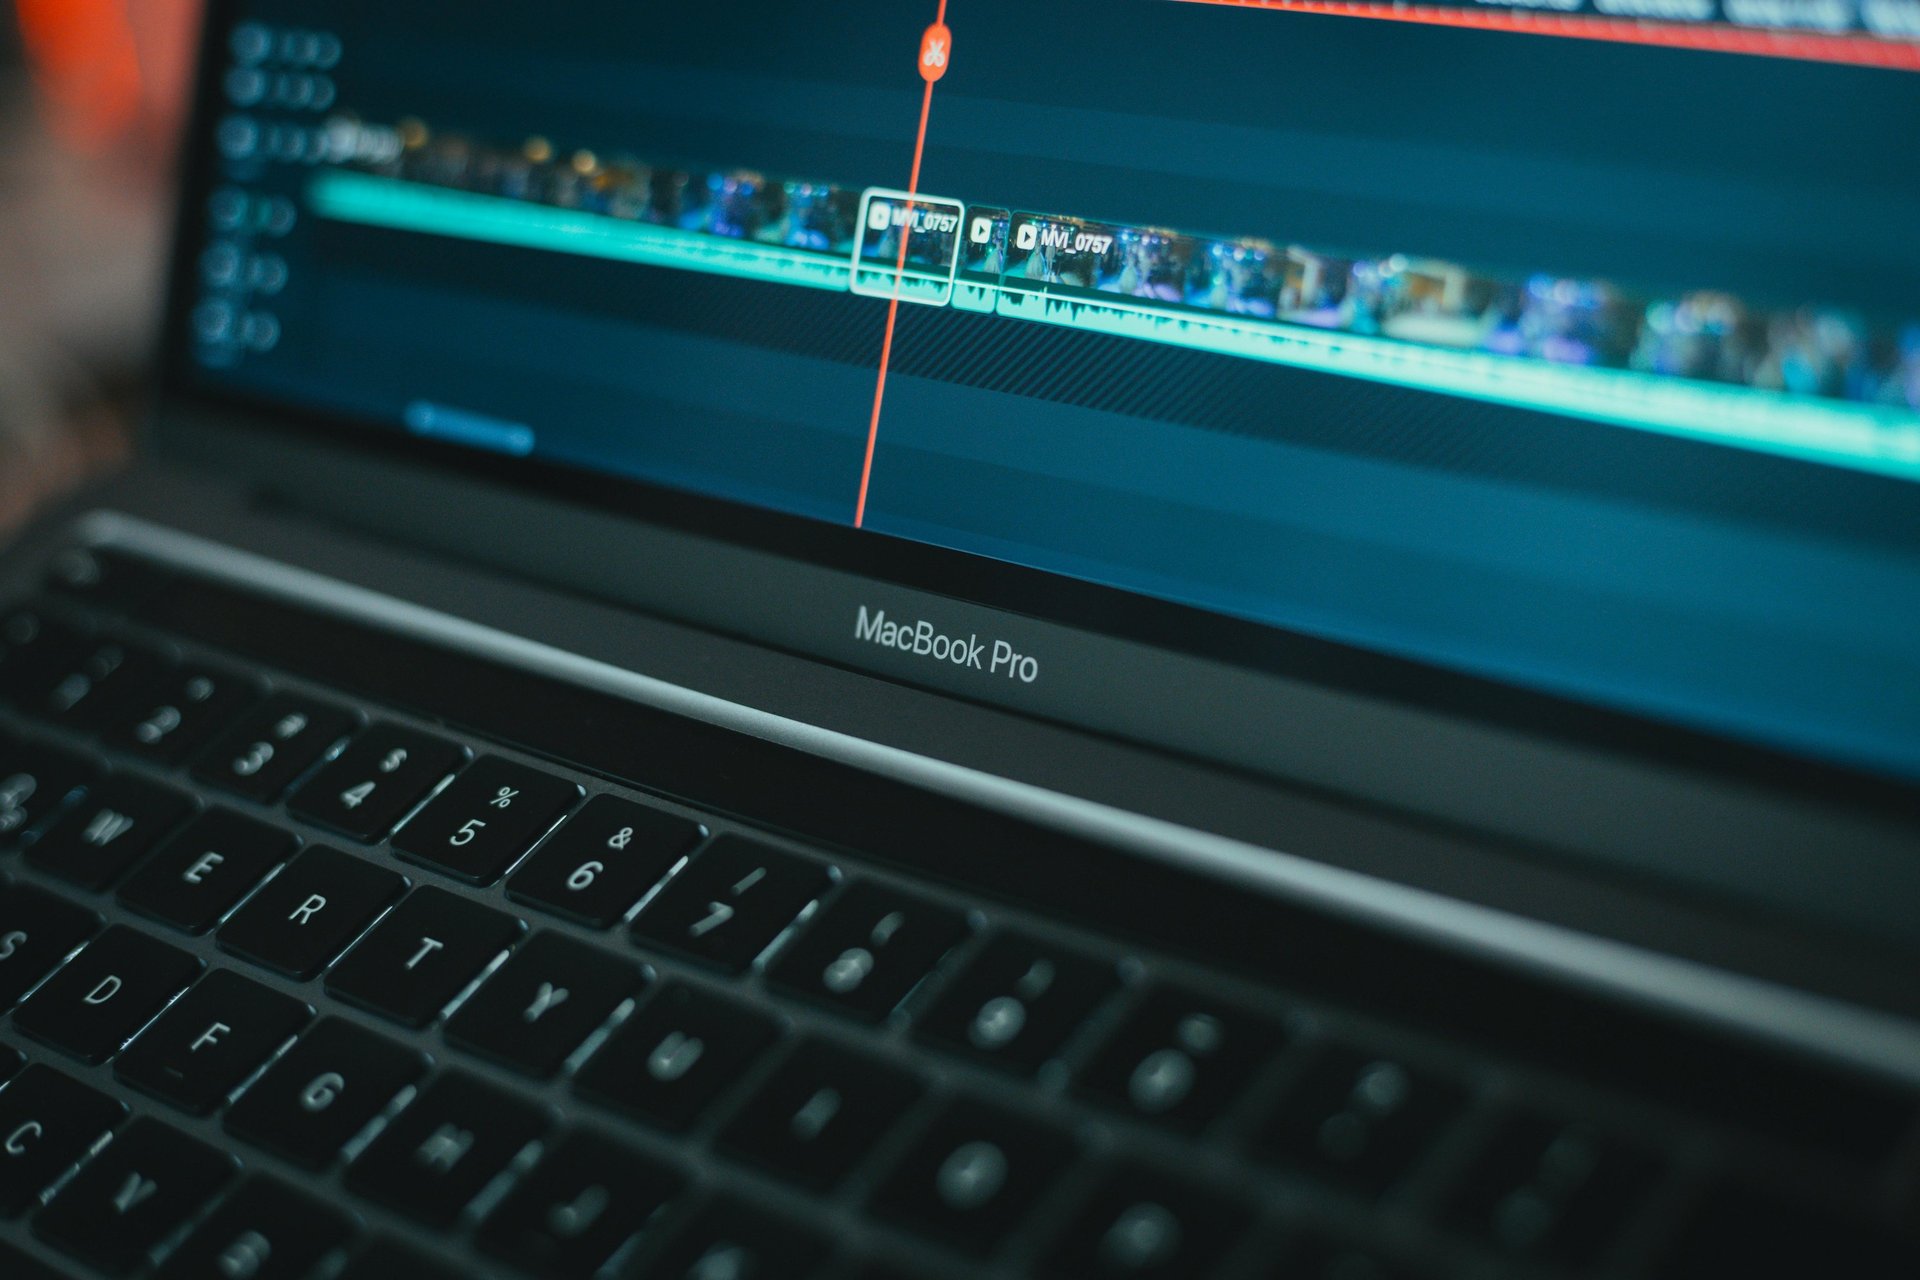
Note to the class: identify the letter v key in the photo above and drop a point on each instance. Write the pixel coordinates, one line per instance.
(134, 1190)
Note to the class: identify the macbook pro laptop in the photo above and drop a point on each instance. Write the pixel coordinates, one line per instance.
(1164, 639)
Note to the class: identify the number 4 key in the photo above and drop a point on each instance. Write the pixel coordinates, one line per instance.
(371, 785)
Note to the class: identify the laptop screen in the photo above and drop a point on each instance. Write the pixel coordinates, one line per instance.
(1570, 343)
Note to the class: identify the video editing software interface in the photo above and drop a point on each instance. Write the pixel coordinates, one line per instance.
(1574, 343)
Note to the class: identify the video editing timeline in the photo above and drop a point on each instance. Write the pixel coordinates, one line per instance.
(1811, 382)
(1375, 297)
(1868, 33)
(908, 247)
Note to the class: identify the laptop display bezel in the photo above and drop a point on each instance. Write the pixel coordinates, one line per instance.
(1182, 634)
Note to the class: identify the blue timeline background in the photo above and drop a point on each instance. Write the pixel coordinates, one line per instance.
(1770, 599)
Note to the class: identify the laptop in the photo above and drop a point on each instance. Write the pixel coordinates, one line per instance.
(1142, 639)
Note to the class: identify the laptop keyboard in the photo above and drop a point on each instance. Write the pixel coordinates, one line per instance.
(304, 985)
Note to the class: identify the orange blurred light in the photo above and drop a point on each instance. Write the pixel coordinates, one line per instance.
(86, 64)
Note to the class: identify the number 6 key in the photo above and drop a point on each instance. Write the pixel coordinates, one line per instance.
(603, 860)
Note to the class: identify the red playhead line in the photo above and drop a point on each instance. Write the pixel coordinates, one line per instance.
(936, 47)
(1806, 46)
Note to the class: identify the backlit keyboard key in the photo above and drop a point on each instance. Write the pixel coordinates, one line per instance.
(35, 778)
(323, 1091)
(371, 785)
(823, 1109)
(577, 1207)
(106, 993)
(270, 746)
(421, 955)
(91, 689)
(1016, 1002)
(1358, 1118)
(265, 1230)
(603, 860)
(121, 818)
(485, 819)
(148, 1182)
(177, 716)
(1548, 1189)
(974, 1175)
(1179, 1059)
(55, 1119)
(449, 1143)
(305, 916)
(730, 903)
(867, 949)
(201, 872)
(37, 932)
(543, 1003)
(209, 1040)
(1141, 1224)
(670, 1060)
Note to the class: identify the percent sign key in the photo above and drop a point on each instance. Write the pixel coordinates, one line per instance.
(486, 819)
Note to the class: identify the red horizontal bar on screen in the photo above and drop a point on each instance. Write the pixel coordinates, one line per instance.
(1807, 46)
